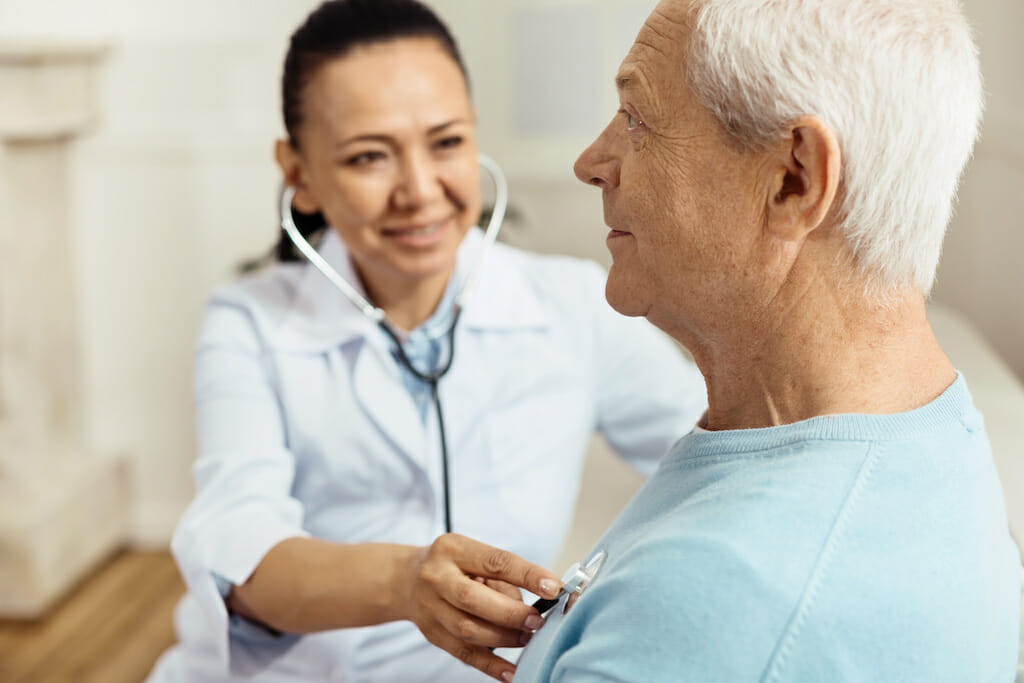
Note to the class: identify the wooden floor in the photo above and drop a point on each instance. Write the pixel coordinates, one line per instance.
(110, 629)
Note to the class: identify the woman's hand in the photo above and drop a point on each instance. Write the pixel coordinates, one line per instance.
(463, 596)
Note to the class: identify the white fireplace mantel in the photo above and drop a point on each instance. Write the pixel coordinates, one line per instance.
(48, 87)
(62, 508)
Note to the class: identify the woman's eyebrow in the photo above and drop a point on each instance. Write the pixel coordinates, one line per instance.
(387, 139)
(440, 127)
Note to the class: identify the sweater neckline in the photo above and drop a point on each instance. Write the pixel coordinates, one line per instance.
(952, 405)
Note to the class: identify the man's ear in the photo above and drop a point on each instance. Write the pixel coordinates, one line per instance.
(805, 179)
(293, 173)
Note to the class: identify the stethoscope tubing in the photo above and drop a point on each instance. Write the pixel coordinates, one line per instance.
(432, 379)
(377, 314)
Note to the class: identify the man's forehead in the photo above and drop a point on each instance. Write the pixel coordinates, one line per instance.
(662, 37)
(668, 25)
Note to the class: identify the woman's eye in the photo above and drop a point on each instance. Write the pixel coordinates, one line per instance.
(449, 142)
(364, 158)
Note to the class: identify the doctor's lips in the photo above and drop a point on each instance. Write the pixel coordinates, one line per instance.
(419, 234)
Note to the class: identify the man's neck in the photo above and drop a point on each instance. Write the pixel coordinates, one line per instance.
(850, 357)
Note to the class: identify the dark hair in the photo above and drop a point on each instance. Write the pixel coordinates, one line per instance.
(333, 30)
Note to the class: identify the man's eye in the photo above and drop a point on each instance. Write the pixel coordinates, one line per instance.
(632, 122)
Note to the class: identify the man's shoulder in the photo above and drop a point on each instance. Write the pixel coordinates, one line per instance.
(884, 506)
(833, 551)
(703, 605)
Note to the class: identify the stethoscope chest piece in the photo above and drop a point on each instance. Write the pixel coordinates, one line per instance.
(578, 577)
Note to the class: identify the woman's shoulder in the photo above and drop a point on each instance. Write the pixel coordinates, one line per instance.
(263, 299)
(555, 277)
(272, 286)
(545, 262)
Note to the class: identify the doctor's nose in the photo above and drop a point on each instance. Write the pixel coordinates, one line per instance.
(597, 165)
(419, 181)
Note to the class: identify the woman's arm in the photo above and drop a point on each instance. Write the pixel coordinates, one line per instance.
(305, 585)
(245, 526)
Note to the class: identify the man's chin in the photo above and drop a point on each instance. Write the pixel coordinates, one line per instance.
(623, 297)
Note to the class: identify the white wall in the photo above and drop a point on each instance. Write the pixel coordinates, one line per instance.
(982, 270)
(171, 189)
(176, 184)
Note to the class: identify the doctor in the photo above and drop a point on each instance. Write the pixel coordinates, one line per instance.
(333, 537)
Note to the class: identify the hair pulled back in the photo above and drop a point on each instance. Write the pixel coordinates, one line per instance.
(333, 30)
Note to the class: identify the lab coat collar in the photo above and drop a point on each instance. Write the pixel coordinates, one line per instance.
(321, 317)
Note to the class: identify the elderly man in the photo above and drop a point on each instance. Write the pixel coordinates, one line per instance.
(777, 183)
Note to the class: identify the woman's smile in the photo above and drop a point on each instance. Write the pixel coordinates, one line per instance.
(424, 235)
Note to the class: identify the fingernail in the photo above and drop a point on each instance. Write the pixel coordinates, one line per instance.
(549, 586)
(524, 637)
(507, 676)
(533, 622)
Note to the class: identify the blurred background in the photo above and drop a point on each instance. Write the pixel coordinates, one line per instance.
(172, 185)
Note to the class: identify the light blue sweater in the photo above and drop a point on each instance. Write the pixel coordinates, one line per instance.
(841, 548)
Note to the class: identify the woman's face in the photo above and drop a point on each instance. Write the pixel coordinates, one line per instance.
(387, 152)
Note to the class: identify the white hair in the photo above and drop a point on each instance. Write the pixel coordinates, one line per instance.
(896, 80)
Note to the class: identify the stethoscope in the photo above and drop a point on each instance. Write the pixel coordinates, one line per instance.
(378, 315)
(575, 580)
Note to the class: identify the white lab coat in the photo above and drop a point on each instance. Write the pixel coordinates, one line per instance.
(305, 428)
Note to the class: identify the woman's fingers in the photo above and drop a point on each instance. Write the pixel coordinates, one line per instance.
(489, 605)
(453, 562)
(465, 599)
(475, 631)
(475, 656)
(480, 559)
(502, 587)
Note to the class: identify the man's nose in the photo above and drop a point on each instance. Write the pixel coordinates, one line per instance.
(597, 165)
(419, 182)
